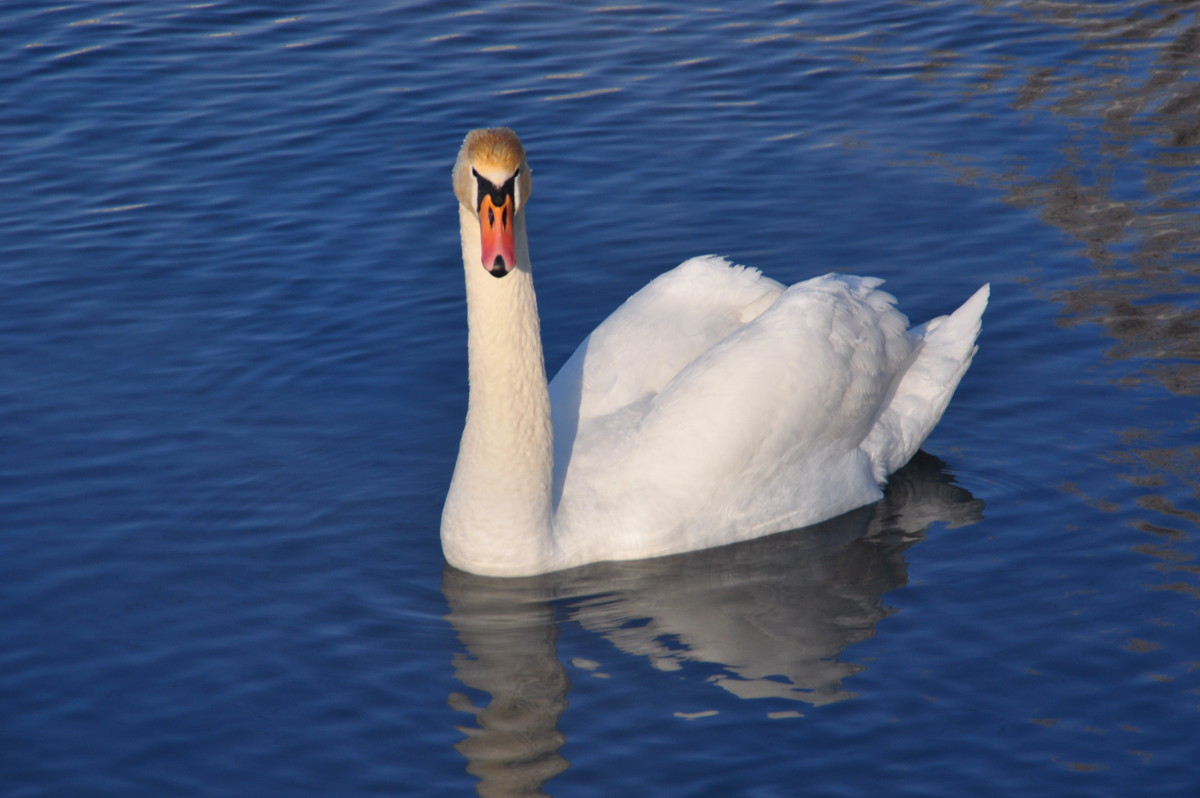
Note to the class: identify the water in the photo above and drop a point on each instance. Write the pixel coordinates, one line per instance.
(232, 340)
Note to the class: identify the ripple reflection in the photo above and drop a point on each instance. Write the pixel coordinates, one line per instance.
(774, 614)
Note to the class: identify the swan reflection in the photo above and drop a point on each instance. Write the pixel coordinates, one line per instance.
(774, 614)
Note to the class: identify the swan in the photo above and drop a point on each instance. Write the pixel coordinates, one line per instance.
(715, 405)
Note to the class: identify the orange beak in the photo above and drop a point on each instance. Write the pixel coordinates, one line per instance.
(496, 233)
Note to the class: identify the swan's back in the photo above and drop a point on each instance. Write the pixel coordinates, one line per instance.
(716, 406)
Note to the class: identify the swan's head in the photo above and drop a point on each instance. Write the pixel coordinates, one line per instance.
(492, 181)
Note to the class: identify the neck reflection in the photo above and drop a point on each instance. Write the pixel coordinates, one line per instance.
(774, 614)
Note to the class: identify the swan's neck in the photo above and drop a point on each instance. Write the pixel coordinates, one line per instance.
(497, 515)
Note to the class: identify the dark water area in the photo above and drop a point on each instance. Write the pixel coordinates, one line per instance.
(233, 376)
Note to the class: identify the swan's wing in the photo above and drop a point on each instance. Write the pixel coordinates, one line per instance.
(645, 342)
(649, 339)
(762, 430)
(801, 384)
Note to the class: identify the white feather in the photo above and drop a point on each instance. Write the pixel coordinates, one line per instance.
(713, 406)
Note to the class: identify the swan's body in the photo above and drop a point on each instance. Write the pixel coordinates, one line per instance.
(714, 406)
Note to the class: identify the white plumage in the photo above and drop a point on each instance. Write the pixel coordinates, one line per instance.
(714, 405)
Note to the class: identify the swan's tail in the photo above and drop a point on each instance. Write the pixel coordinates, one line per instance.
(947, 345)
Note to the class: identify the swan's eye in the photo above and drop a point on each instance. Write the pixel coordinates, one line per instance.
(499, 194)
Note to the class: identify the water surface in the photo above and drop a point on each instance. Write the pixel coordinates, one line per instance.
(232, 341)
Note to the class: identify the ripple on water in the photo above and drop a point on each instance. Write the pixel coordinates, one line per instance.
(231, 334)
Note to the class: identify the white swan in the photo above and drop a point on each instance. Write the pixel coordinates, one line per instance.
(715, 405)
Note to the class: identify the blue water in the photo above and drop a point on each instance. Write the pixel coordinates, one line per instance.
(232, 348)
